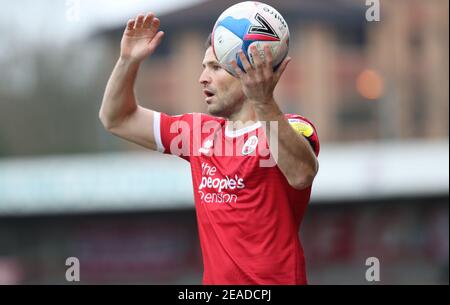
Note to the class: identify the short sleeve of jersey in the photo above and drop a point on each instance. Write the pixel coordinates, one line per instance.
(305, 128)
(173, 134)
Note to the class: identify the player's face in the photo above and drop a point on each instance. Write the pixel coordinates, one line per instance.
(223, 92)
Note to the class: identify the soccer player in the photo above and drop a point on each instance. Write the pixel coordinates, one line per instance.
(252, 166)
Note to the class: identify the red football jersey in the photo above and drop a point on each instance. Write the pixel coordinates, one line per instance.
(248, 215)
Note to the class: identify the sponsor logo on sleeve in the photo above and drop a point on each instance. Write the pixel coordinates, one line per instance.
(301, 127)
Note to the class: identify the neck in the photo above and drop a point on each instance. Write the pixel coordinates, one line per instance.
(245, 116)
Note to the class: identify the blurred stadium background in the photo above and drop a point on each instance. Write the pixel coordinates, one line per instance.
(378, 93)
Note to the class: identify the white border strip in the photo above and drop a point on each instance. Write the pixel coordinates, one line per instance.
(157, 131)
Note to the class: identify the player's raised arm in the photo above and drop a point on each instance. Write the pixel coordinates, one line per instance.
(120, 113)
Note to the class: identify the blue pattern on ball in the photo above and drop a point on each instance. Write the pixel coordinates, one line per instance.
(238, 27)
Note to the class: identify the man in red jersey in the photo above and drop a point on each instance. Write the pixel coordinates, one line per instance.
(252, 166)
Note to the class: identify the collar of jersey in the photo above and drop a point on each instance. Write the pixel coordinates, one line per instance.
(240, 132)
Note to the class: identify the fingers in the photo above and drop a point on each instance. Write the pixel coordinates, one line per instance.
(282, 67)
(259, 65)
(268, 56)
(262, 62)
(236, 69)
(262, 67)
(257, 60)
(139, 21)
(247, 66)
(148, 20)
(155, 25)
(156, 41)
(130, 24)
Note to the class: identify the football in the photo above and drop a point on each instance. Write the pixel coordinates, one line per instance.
(245, 24)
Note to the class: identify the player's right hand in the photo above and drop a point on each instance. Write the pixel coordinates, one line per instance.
(141, 37)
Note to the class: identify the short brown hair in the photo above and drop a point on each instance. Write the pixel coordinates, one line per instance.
(208, 42)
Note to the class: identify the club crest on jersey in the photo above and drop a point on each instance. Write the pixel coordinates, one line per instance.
(250, 145)
(301, 127)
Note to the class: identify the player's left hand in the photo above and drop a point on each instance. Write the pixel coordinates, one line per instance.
(259, 80)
